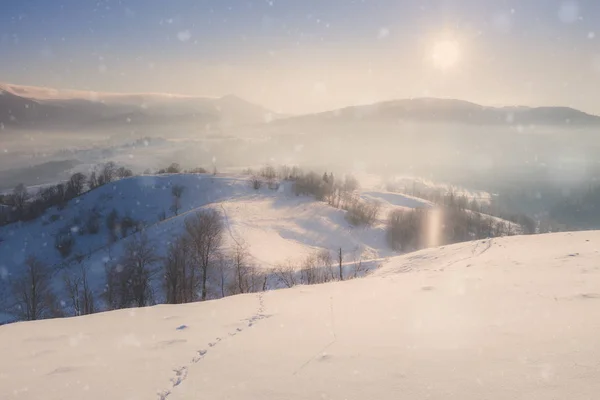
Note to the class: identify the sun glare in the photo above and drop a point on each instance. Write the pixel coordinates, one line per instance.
(445, 54)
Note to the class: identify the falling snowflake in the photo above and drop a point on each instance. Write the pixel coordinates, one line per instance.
(568, 12)
(184, 36)
(383, 33)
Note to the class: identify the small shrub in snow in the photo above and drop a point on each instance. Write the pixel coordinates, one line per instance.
(362, 212)
(127, 224)
(177, 192)
(174, 168)
(286, 274)
(92, 223)
(123, 172)
(64, 242)
(112, 224)
(162, 215)
(256, 182)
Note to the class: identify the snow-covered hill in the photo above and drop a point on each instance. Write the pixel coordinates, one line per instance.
(275, 225)
(505, 318)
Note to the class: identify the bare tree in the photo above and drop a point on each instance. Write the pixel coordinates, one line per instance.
(123, 172)
(137, 262)
(180, 281)
(223, 273)
(286, 274)
(283, 172)
(358, 264)
(205, 232)
(48, 195)
(113, 287)
(32, 291)
(78, 288)
(350, 184)
(76, 184)
(93, 181)
(270, 174)
(61, 195)
(340, 260)
(174, 168)
(177, 192)
(241, 269)
(326, 261)
(19, 199)
(108, 173)
(309, 274)
(406, 229)
(246, 278)
(256, 182)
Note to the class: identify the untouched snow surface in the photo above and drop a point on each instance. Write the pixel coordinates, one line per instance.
(507, 318)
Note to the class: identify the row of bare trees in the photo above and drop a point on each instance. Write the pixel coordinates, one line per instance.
(320, 267)
(196, 267)
(24, 206)
(107, 173)
(175, 168)
(340, 194)
(453, 199)
(35, 292)
(409, 230)
(198, 256)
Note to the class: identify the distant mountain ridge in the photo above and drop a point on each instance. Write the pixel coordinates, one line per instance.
(39, 107)
(436, 110)
(28, 106)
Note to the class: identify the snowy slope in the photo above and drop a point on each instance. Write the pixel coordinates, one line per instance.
(276, 226)
(512, 318)
(142, 198)
(287, 227)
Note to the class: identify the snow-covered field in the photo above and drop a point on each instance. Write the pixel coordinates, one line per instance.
(508, 318)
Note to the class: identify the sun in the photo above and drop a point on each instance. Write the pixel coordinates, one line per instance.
(445, 54)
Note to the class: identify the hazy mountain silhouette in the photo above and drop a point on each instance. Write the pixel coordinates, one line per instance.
(24, 106)
(27, 107)
(434, 110)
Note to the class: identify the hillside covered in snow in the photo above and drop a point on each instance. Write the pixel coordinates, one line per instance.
(279, 234)
(275, 224)
(507, 318)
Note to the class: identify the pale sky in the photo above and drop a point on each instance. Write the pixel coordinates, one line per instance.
(298, 56)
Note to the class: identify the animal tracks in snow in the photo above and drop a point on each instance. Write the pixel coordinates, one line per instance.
(181, 373)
